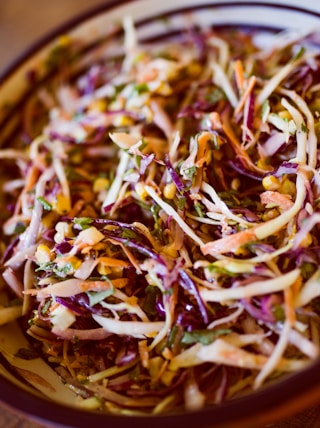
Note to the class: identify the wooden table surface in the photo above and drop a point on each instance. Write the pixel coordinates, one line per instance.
(21, 23)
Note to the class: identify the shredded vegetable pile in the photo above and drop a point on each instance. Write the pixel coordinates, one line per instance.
(161, 220)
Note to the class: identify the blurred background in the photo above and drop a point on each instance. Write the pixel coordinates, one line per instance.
(23, 21)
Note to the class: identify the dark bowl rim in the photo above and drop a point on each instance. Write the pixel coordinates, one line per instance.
(107, 5)
(267, 400)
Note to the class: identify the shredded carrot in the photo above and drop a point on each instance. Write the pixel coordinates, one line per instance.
(289, 305)
(271, 198)
(248, 90)
(229, 244)
(239, 74)
(236, 145)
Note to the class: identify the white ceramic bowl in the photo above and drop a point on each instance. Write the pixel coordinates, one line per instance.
(31, 386)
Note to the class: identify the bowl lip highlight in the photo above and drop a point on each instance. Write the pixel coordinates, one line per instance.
(264, 400)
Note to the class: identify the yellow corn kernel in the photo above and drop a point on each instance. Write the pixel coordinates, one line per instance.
(164, 89)
(194, 69)
(49, 219)
(262, 164)
(98, 105)
(62, 204)
(271, 183)
(241, 251)
(284, 114)
(170, 251)
(43, 254)
(76, 157)
(122, 120)
(141, 191)
(288, 187)
(103, 269)
(100, 183)
(270, 214)
(307, 241)
(169, 191)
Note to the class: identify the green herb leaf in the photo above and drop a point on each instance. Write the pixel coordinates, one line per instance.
(20, 227)
(46, 205)
(149, 305)
(299, 54)
(97, 297)
(190, 172)
(203, 336)
(141, 88)
(215, 96)
(83, 222)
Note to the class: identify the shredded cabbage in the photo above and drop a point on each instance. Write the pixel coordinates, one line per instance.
(161, 229)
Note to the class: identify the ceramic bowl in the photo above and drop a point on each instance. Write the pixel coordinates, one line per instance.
(30, 386)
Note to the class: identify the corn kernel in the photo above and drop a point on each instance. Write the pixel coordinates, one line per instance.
(263, 165)
(103, 270)
(270, 214)
(284, 114)
(270, 182)
(169, 191)
(98, 105)
(49, 219)
(62, 204)
(170, 251)
(43, 254)
(241, 251)
(164, 89)
(100, 183)
(194, 69)
(307, 241)
(122, 120)
(288, 187)
(141, 191)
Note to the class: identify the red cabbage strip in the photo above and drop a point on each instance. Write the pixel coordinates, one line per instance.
(238, 166)
(188, 284)
(121, 226)
(286, 168)
(258, 314)
(9, 250)
(175, 177)
(135, 245)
